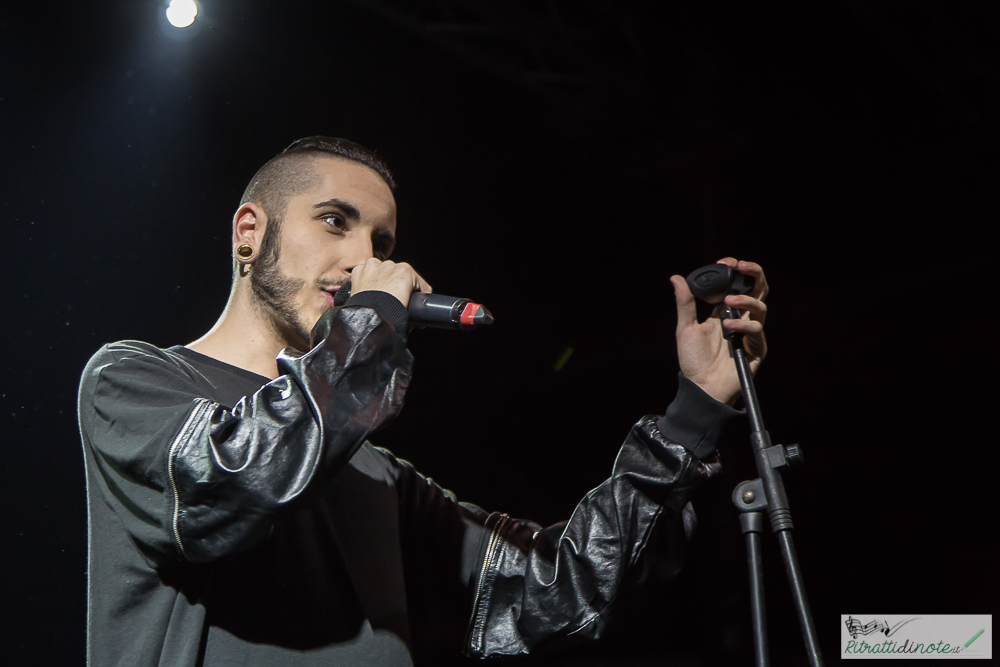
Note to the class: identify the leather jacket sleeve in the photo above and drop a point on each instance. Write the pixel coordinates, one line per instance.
(524, 588)
(193, 480)
(550, 587)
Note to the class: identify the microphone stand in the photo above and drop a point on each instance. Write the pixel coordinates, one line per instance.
(767, 492)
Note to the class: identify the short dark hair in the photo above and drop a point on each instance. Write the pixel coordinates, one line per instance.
(291, 172)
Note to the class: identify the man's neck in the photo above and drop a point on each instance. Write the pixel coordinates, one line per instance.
(242, 337)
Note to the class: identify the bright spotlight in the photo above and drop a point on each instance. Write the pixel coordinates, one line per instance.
(181, 13)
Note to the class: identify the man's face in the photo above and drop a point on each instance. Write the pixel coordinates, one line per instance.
(350, 216)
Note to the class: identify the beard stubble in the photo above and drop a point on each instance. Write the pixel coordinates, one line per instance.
(274, 293)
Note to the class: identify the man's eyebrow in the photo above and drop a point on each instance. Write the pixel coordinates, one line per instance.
(350, 210)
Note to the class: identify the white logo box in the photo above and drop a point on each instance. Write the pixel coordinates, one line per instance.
(890, 636)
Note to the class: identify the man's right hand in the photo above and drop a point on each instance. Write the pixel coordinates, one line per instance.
(399, 280)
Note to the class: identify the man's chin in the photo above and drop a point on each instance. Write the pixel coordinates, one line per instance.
(300, 338)
(292, 331)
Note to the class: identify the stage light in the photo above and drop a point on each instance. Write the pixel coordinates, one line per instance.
(181, 13)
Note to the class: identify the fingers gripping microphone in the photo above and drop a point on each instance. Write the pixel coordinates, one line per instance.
(436, 310)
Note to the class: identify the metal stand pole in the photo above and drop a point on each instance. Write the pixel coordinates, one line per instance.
(752, 524)
(767, 492)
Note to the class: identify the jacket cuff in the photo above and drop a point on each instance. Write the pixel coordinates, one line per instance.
(388, 307)
(696, 420)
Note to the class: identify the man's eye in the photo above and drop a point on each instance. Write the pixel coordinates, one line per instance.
(334, 221)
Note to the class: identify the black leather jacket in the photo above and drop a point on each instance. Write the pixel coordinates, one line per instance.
(192, 503)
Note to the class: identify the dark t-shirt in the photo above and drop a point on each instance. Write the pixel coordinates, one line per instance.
(271, 606)
(326, 587)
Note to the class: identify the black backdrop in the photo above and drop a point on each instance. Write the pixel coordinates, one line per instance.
(561, 158)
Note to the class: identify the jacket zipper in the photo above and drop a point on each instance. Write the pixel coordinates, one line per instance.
(494, 540)
(175, 522)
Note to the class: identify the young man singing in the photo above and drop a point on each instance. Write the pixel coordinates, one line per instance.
(238, 514)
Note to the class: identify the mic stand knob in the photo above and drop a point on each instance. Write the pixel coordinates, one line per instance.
(794, 455)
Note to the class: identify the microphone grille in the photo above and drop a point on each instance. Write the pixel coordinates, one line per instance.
(342, 295)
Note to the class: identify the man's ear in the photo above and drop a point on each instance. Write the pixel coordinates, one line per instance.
(248, 225)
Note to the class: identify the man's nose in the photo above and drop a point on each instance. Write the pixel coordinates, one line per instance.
(358, 250)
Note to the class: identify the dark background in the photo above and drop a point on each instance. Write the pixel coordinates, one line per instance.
(553, 157)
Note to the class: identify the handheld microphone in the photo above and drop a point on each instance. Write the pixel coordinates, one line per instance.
(713, 283)
(436, 310)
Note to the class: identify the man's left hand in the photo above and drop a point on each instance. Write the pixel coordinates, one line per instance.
(703, 353)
